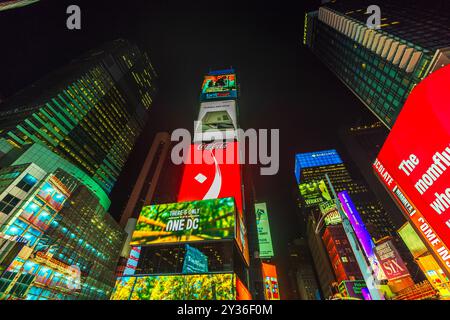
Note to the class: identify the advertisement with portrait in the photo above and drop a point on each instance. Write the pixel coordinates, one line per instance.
(314, 193)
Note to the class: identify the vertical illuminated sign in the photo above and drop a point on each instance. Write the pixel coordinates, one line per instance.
(361, 232)
(271, 289)
(262, 225)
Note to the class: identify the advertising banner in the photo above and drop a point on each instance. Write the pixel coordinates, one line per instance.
(414, 161)
(412, 240)
(176, 287)
(185, 222)
(361, 232)
(352, 289)
(219, 86)
(314, 193)
(217, 120)
(194, 261)
(390, 261)
(263, 228)
(330, 212)
(211, 171)
(271, 289)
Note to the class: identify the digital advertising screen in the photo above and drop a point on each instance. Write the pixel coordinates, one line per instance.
(263, 228)
(132, 261)
(390, 261)
(194, 261)
(219, 86)
(217, 120)
(270, 278)
(414, 161)
(315, 159)
(314, 193)
(176, 287)
(212, 219)
(211, 171)
(352, 289)
(331, 213)
(412, 240)
(361, 232)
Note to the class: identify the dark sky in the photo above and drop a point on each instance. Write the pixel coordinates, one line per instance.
(283, 85)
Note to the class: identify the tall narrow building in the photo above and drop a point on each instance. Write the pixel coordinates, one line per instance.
(196, 247)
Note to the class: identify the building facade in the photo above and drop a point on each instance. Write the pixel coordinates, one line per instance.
(89, 112)
(380, 66)
(62, 242)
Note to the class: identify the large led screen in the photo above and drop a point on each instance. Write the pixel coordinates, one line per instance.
(414, 161)
(212, 170)
(216, 121)
(263, 228)
(219, 86)
(222, 286)
(185, 222)
(314, 193)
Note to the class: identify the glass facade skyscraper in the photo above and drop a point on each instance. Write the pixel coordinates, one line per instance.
(61, 242)
(89, 112)
(380, 66)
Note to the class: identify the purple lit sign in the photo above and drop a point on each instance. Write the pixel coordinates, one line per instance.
(358, 225)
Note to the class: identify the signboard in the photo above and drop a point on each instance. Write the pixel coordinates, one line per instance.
(217, 120)
(352, 289)
(361, 232)
(330, 212)
(315, 159)
(314, 193)
(412, 240)
(263, 228)
(132, 261)
(185, 222)
(211, 171)
(219, 86)
(390, 261)
(219, 286)
(271, 289)
(194, 261)
(414, 161)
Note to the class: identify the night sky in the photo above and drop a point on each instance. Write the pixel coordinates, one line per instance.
(283, 85)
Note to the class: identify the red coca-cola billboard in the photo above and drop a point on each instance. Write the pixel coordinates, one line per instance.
(212, 171)
(415, 160)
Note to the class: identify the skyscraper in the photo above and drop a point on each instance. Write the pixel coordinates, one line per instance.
(380, 66)
(64, 244)
(89, 112)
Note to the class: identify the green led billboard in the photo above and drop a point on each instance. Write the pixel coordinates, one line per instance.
(212, 219)
(314, 193)
(264, 237)
(176, 287)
